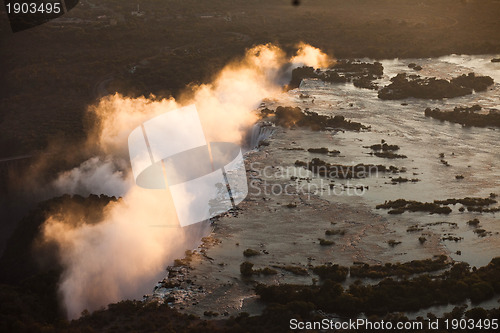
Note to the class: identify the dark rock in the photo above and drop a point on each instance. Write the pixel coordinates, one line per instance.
(250, 253)
(300, 73)
(246, 268)
(365, 82)
(393, 243)
(324, 242)
(473, 223)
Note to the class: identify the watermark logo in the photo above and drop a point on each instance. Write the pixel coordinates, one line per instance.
(204, 178)
(30, 13)
(306, 179)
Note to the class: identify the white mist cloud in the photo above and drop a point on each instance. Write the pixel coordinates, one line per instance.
(308, 55)
(94, 176)
(122, 256)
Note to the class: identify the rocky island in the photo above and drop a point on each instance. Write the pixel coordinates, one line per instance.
(361, 74)
(466, 116)
(405, 86)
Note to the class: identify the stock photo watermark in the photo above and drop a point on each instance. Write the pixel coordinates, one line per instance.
(205, 179)
(305, 180)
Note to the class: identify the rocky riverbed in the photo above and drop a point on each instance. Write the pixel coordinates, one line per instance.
(295, 219)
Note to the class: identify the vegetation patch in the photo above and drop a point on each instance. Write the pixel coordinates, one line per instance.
(473, 223)
(333, 232)
(246, 269)
(325, 169)
(289, 117)
(383, 147)
(389, 154)
(481, 232)
(361, 74)
(400, 206)
(473, 204)
(405, 86)
(414, 228)
(400, 180)
(432, 224)
(362, 270)
(323, 151)
(210, 314)
(295, 270)
(466, 116)
(385, 150)
(457, 284)
(452, 238)
(332, 272)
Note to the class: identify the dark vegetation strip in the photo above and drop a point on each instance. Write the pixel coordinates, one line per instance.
(455, 285)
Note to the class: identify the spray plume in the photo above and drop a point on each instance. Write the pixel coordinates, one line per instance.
(308, 55)
(123, 255)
